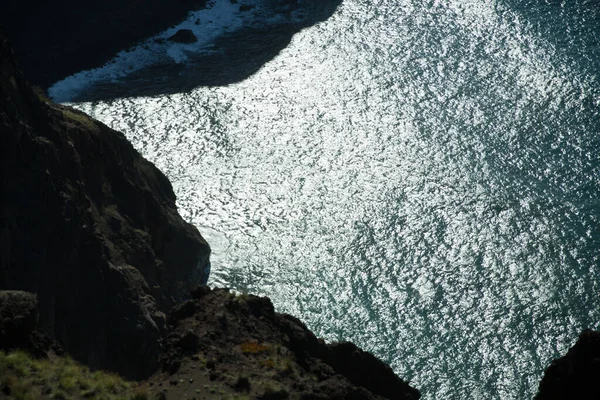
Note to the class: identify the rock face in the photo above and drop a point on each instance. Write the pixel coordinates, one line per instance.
(245, 346)
(91, 228)
(68, 36)
(575, 375)
(184, 36)
(19, 319)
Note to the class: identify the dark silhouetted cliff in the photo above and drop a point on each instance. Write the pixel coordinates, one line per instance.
(54, 39)
(576, 374)
(91, 227)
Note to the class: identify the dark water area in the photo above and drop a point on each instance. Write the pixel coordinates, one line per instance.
(569, 26)
(234, 56)
(54, 39)
(422, 178)
(240, 55)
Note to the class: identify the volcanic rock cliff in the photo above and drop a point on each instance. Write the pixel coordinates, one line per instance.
(91, 227)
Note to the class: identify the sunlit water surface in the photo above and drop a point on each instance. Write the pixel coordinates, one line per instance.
(420, 177)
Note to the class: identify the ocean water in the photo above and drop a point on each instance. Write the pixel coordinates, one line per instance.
(419, 177)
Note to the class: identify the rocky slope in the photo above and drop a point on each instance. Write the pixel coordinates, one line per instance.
(232, 345)
(91, 227)
(219, 345)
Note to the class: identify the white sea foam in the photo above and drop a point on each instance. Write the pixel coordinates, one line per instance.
(218, 18)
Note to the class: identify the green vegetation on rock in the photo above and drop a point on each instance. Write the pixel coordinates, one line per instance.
(79, 118)
(24, 377)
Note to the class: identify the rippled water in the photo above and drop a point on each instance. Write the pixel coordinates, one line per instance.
(420, 177)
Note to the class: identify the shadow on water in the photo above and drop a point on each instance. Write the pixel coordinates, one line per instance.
(237, 56)
(572, 28)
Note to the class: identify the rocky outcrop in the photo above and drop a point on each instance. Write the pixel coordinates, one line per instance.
(242, 345)
(55, 39)
(91, 228)
(18, 318)
(184, 36)
(574, 375)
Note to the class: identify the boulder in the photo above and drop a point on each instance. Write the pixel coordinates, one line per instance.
(185, 36)
(18, 318)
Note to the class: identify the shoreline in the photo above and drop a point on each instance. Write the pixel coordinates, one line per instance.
(52, 41)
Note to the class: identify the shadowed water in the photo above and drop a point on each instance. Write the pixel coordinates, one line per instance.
(422, 178)
(231, 48)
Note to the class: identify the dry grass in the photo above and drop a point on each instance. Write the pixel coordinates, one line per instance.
(253, 347)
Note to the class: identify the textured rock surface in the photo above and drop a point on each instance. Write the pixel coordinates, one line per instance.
(68, 36)
(19, 319)
(238, 343)
(91, 227)
(576, 374)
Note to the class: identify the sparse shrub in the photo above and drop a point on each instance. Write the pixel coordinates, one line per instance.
(287, 367)
(59, 395)
(39, 92)
(237, 300)
(272, 391)
(140, 394)
(243, 297)
(79, 118)
(268, 363)
(237, 397)
(242, 384)
(67, 383)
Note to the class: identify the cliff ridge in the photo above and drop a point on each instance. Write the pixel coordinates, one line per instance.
(91, 228)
